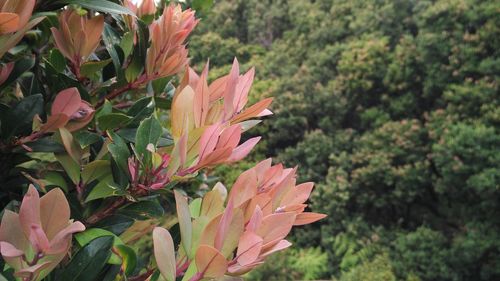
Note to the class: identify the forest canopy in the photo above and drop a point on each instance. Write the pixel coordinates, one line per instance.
(392, 106)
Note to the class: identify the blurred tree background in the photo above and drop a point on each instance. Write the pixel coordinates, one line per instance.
(392, 108)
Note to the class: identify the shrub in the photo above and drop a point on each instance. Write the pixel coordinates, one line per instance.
(93, 129)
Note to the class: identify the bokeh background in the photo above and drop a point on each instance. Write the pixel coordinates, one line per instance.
(392, 108)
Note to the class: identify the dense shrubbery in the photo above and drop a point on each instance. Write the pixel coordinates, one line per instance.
(108, 138)
(394, 107)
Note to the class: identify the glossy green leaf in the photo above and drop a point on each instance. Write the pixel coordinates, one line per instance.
(115, 223)
(127, 43)
(86, 138)
(142, 109)
(105, 188)
(149, 131)
(57, 60)
(55, 179)
(83, 238)
(119, 151)
(91, 67)
(143, 210)
(43, 145)
(112, 121)
(70, 166)
(128, 258)
(20, 67)
(95, 170)
(111, 41)
(101, 6)
(89, 261)
(20, 117)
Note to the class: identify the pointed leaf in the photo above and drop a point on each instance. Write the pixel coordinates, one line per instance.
(184, 221)
(307, 218)
(210, 262)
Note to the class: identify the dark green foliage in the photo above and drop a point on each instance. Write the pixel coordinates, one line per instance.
(392, 107)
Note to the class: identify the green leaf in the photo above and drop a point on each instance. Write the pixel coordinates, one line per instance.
(136, 66)
(53, 178)
(89, 261)
(57, 60)
(112, 40)
(90, 68)
(104, 189)
(119, 151)
(160, 84)
(83, 238)
(143, 108)
(20, 67)
(70, 166)
(195, 207)
(143, 210)
(95, 170)
(19, 118)
(127, 134)
(149, 131)
(107, 108)
(101, 6)
(128, 258)
(112, 121)
(127, 43)
(86, 138)
(116, 223)
(43, 145)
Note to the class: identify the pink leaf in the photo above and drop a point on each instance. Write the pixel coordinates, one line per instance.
(276, 226)
(298, 194)
(249, 248)
(224, 226)
(61, 241)
(307, 218)
(244, 188)
(230, 137)
(29, 213)
(208, 140)
(164, 253)
(184, 221)
(38, 238)
(281, 245)
(54, 212)
(229, 92)
(256, 219)
(9, 251)
(201, 98)
(217, 88)
(253, 111)
(67, 102)
(242, 89)
(210, 262)
(243, 150)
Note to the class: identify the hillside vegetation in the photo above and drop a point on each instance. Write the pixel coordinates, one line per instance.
(392, 108)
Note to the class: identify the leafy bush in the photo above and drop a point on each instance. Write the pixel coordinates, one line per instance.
(103, 147)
